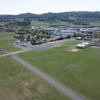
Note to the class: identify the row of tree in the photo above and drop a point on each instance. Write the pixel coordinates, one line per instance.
(26, 34)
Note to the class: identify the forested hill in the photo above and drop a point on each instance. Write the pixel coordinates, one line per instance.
(65, 16)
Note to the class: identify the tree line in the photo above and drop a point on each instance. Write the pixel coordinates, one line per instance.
(65, 16)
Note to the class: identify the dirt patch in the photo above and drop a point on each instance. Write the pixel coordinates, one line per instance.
(73, 50)
(2, 51)
(41, 89)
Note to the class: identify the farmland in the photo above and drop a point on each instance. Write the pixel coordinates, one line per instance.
(41, 23)
(79, 70)
(95, 23)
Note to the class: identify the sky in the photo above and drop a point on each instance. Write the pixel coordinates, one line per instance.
(44, 6)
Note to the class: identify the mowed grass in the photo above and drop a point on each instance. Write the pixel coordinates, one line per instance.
(17, 83)
(6, 35)
(78, 70)
(6, 40)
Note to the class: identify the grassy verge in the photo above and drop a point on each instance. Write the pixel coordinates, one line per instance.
(6, 40)
(78, 70)
(17, 83)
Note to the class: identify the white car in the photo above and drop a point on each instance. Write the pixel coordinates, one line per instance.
(86, 43)
(79, 38)
(24, 44)
(82, 45)
(18, 41)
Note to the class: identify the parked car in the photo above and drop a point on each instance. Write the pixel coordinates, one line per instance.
(78, 38)
(36, 42)
(24, 44)
(17, 41)
(82, 45)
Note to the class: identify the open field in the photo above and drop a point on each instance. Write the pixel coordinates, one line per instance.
(37, 23)
(17, 83)
(95, 24)
(41, 23)
(6, 35)
(79, 70)
(5, 41)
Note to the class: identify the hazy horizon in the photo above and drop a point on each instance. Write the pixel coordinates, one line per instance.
(14, 7)
(46, 12)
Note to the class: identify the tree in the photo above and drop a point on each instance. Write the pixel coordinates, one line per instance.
(22, 32)
(28, 38)
(22, 38)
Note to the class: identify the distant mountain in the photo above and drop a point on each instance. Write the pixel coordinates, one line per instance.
(65, 16)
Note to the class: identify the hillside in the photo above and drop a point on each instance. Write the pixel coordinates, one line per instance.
(65, 16)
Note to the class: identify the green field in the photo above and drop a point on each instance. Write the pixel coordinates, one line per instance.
(41, 23)
(94, 24)
(17, 83)
(79, 70)
(61, 23)
(6, 40)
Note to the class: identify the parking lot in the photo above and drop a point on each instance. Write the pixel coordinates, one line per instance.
(41, 46)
